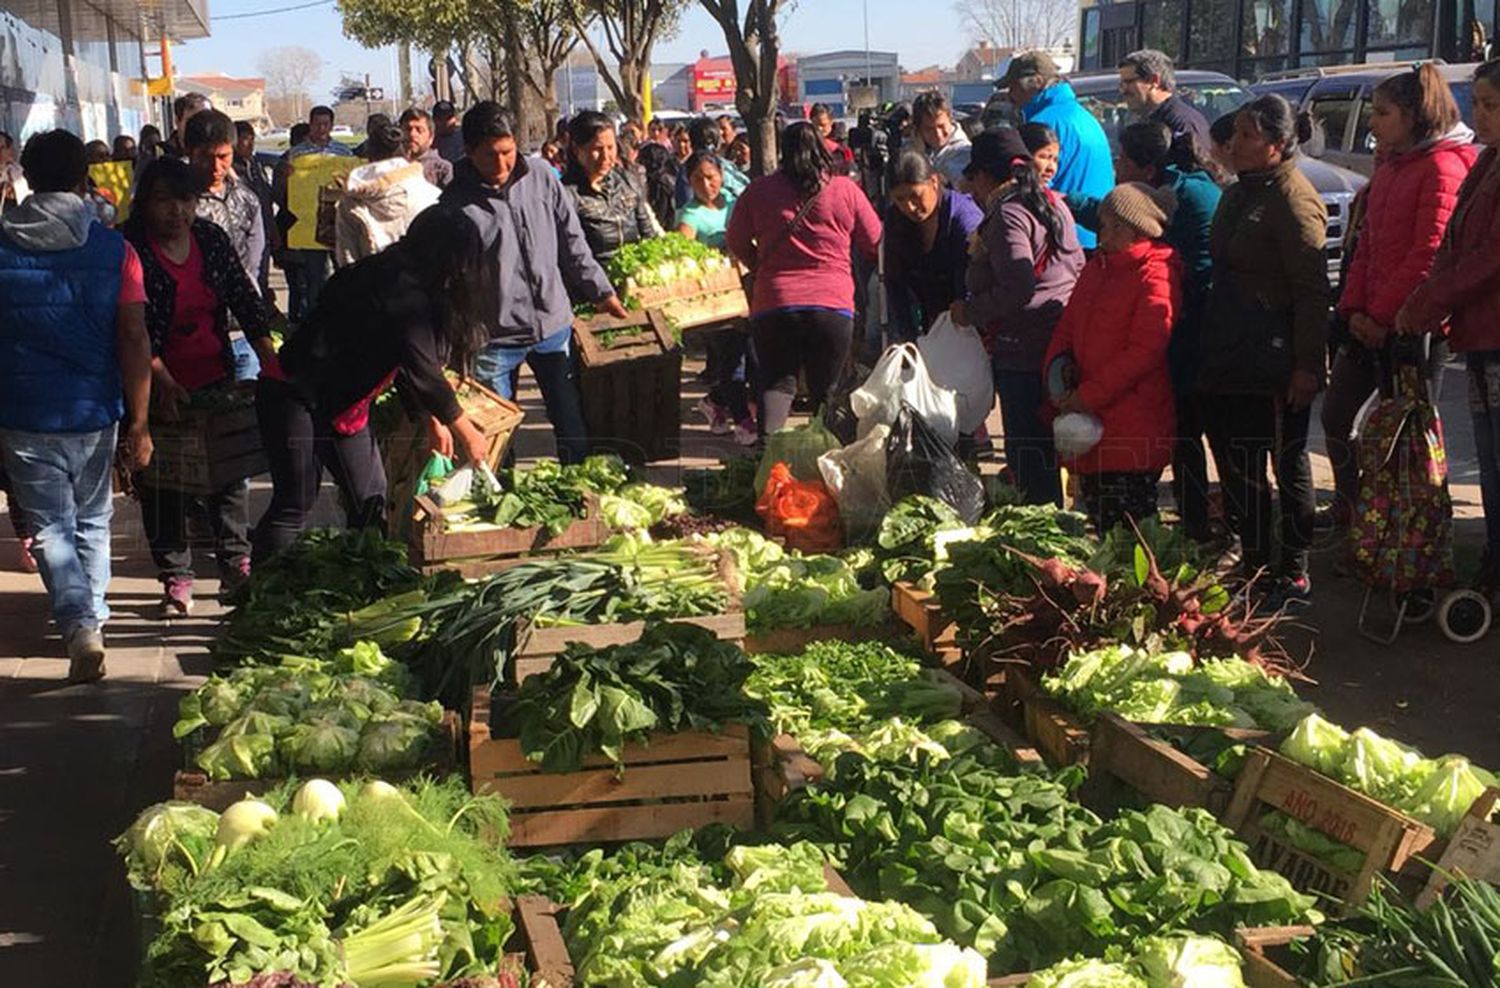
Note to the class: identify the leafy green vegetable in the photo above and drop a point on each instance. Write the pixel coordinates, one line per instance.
(171, 836)
(660, 261)
(1436, 791)
(676, 677)
(1086, 974)
(1190, 962)
(786, 589)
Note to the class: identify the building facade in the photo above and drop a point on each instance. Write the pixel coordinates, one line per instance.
(1250, 38)
(240, 99)
(81, 64)
(827, 78)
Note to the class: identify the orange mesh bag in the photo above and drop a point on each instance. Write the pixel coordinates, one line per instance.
(801, 512)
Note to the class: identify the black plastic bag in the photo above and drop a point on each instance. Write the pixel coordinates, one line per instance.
(838, 413)
(917, 461)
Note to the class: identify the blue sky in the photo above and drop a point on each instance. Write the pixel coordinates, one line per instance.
(812, 26)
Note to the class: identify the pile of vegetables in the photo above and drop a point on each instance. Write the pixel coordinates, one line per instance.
(1012, 866)
(1153, 687)
(630, 578)
(1436, 791)
(676, 677)
(308, 716)
(311, 597)
(863, 697)
(660, 261)
(549, 495)
(761, 916)
(354, 884)
(787, 589)
(1450, 945)
(1159, 962)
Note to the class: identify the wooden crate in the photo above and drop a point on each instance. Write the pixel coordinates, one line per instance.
(1388, 838)
(194, 786)
(919, 610)
(1254, 943)
(692, 302)
(539, 927)
(1122, 753)
(1474, 850)
(205, 451)
(631, 386)
(478, 553)
(678, 780)
(1058, 733)
(785, 641)
(404, 451)
(536, 647)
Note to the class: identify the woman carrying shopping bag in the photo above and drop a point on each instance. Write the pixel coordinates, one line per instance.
(1023, 262)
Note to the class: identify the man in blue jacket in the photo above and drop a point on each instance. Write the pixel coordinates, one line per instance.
(540, 262)
(1084, 161)
(74, 360)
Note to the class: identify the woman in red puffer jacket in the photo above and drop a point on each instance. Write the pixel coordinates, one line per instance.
(1116, 329)
(1424, 152)
(1464, 289)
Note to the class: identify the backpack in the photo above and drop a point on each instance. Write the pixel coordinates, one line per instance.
(1401, 535)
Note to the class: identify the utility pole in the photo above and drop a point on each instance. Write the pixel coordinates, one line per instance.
(403, 53)
(869, 70)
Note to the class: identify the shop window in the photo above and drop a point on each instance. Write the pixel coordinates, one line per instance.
(1090, 51)
(1267, 28)
(1399, 23)
(1328, 26)
(1211, 33)
(1161, 26)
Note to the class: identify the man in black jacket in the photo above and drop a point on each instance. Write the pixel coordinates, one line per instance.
(1148, 86)
(540, 262)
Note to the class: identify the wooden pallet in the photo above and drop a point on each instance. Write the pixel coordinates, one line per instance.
(919, 610)
(478, 553)
(1388, 838)
(1058, 733)
(678, 780)
(193, 786)
(404, 451)
(1474, 850)
(205, 451)
(1122, 753)
(1259, 969)
(536, 648)
(631, 386)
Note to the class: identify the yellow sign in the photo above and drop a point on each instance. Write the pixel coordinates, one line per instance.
(311, 175)
(114, 179)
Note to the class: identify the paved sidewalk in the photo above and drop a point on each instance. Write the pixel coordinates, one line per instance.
(78, 762)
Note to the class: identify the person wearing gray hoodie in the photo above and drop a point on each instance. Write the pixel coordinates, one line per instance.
(74, 361)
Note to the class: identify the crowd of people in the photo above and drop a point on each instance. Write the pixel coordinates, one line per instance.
(1133, 302)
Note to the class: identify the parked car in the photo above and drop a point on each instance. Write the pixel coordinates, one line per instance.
(1340, 100)
(1215, 94)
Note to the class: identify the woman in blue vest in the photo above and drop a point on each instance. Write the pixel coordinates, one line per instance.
(194, 279)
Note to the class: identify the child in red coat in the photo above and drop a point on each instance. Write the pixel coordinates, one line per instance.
(1116, 329)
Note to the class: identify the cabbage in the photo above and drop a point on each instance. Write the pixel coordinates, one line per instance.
(624, 515)
(164, 832)
(322, 746)
(1317, 744)
(256, 722)
(1381, 767)
(777, 868)
(391, 745)
(364, 696)
(1189, 962)
(1086, 974)
(287, 697)
(1445, 798)
(916, 965)
(242, 756)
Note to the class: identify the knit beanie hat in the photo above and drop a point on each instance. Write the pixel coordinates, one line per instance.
(1142, 208)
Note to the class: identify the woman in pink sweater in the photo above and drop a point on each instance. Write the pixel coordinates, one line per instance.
(796, 229)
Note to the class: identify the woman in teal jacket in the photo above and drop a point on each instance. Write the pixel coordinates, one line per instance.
(1147, 155)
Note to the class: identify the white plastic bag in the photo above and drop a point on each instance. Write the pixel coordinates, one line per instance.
(855, 475)
(1075, 433)
(957, 360)
(901, 375)
(459, 484)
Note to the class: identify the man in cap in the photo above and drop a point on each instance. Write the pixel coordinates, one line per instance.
(448, 135)
(1084, 162)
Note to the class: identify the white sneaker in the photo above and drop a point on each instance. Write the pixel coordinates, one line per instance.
(745, 433)
(718, 419)
(85, 655)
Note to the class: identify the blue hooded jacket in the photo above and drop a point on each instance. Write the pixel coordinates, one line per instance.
(60, 275)
(1084, 161)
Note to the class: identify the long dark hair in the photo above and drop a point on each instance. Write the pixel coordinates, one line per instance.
(582, 129)
(445, 253)
(804, 159)
(172, 176)
(1029, 191)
